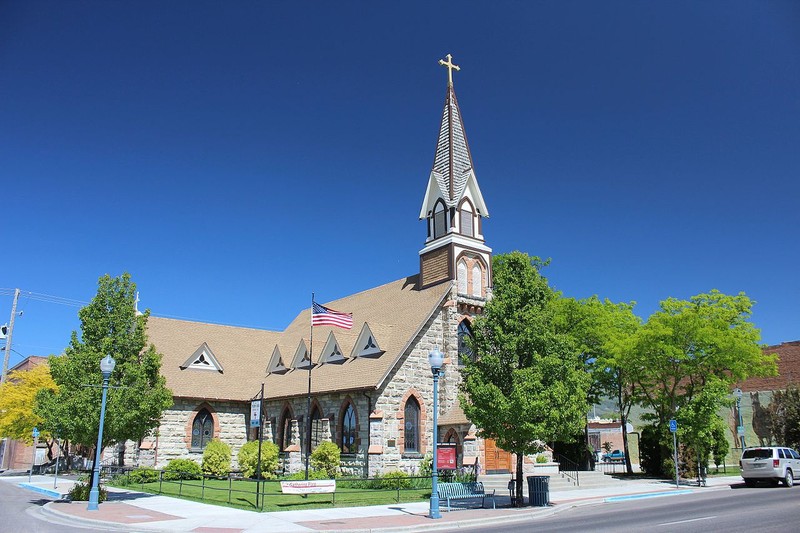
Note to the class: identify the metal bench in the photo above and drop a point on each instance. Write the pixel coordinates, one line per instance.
(464, 491)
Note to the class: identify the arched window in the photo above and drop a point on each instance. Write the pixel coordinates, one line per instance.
(316, 427)
(439, 220)
(411, 429)
(464, 351)
(461, 276)
(477, 278)
(285, 435)
(466, 220)
(202, 429)
(348, 442)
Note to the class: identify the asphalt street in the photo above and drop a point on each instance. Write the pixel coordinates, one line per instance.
(762, 509)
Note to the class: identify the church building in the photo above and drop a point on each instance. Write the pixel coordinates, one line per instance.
(371, 389)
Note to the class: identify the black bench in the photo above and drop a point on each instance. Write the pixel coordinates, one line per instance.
(464, 491)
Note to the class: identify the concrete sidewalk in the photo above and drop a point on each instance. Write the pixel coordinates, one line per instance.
(129, 510)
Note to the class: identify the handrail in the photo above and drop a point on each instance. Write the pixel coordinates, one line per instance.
(568, 468)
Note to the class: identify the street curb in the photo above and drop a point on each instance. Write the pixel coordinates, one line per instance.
(48, 509)
(647, 495)
(47, 492)
(525, 515)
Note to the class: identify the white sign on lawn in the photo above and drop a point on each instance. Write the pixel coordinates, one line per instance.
(315, 486)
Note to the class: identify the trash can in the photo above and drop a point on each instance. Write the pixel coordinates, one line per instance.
(539, 490)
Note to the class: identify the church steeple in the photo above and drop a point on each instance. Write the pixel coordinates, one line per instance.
(453, 206)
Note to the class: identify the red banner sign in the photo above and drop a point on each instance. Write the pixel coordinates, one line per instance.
(446, 457)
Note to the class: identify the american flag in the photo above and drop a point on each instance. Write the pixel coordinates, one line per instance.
(323, 316)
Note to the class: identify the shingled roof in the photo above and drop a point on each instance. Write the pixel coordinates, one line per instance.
(452, 171)
(395, 313)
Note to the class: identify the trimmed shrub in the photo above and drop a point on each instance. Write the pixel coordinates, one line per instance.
(327, 457)
(312, 474)
(143, 475)
(182, 469)
(80, 493)
(216, 459)
(248, 459)
(395, 480)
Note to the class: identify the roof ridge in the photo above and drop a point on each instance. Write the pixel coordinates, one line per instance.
(220, 324)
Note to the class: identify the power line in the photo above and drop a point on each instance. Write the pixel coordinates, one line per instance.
(49, 298)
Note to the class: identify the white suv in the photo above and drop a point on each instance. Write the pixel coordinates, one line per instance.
(770, 463)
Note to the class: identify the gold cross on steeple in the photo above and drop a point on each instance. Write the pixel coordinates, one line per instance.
(450, 66)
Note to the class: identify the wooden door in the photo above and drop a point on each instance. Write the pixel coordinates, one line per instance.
(498, 461)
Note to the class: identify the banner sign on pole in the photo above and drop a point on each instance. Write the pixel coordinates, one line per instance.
(446, 457)
(255, 413)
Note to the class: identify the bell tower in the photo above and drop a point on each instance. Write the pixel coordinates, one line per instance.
(453, 209)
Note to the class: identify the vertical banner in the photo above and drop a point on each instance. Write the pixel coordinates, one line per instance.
(255, 413)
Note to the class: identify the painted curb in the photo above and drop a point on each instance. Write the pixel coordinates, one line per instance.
(647, 495)
(47, 492)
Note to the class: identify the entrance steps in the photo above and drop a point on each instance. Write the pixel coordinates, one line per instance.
(558, 482)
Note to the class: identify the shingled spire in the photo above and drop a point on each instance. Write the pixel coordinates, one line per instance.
(453, 206)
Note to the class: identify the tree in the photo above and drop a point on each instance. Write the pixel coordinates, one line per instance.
(526, 383)
(137, 395)
(785, 407)
(606, 332)
(685, 359)
(17, 395)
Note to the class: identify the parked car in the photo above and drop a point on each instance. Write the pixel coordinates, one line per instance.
(770, 463)
(616, 455)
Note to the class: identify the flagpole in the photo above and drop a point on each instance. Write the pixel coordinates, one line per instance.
(308, 398)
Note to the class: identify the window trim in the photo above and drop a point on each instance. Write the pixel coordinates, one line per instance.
(416, 410)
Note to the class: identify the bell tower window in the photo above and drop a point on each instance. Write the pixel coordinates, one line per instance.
(467, 226)
(477, 279)
(439, 220)
(461, 275)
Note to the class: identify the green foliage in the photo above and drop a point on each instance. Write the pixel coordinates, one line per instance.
(685, 360)
(182, 469)
(395, 480)
(248, 459)
(17, 395)
(143, 475)
(327, 457)
(607, 446)
(719, 444)
(426, 465)
(785, 419)
(527, 382)
(652, 451)
(80, 493)
(312, 474)
(216, 459)
(138, 397)
(541, 459)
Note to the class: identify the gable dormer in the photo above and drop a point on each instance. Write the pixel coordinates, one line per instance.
(331, 352)
(366, 344)
(453, 207)
(203, 359)
(276, 364)
(301, 358)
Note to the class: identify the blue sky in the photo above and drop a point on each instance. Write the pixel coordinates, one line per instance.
(235, 157)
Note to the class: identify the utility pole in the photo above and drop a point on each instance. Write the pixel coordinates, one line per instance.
(6, 441)
(8, 338)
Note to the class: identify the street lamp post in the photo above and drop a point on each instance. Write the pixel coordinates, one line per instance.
(740, 427)
(436, 359)
(106, 367)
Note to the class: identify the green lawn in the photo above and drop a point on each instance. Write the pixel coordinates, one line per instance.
(242, 494)
(729, 470)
